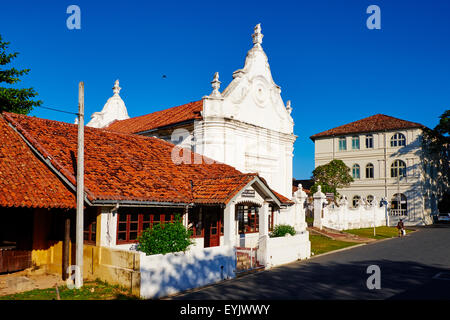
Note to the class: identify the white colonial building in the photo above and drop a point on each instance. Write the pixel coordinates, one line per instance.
(385, 157)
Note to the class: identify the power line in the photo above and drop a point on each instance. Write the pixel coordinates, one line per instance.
(57, 110)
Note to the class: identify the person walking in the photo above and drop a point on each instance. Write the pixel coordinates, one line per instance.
(400, 227)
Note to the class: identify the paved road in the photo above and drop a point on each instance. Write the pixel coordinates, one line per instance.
(407, 266)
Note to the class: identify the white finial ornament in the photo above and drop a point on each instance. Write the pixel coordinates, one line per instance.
(288, 106)
(116, 88)
(216, 86)
(114, 109)
(257, 36)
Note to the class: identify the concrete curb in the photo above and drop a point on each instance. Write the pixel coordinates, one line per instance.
(336, 251)
(358, 245)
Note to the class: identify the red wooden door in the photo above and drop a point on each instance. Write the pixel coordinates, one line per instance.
(212, 229)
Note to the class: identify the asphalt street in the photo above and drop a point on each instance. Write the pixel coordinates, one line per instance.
(413, 267)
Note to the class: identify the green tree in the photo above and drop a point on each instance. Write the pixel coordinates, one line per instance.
(12, 99)
(165, 238)
(331, 176)
(436, 160)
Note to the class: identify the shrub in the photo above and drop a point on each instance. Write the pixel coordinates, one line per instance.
(165, 238)
(281, 230)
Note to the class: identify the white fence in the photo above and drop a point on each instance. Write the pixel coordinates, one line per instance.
(163, 275)
(343, 217)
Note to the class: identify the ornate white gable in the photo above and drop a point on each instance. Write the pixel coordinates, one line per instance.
(252, 97)
(114, 109)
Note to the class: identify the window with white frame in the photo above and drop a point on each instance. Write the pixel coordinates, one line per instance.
(369, 199)
(369, 141)
(342, 144)
(355, 142)
(356, 171)
(398, 140)
(355, 201)
(369, 171)
(398, 169)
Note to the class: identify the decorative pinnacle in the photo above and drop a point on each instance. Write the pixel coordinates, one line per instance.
(116, 88)
(288, 106)
(257, 36)
(215, 84)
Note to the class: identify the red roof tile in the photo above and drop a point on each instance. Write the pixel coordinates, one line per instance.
(130, 167)
(378, 122)
(185, 112)
(25, 181)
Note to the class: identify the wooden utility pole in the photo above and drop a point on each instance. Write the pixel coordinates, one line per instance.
(80, 189)
(66, 249)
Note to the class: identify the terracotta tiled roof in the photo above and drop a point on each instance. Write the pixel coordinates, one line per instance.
(220, 188)
(130, 167)
(378, 122)
(282, 198)
(25, 181)
(185, 112)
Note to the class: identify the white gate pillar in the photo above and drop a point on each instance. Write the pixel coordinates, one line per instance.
(263, 253)
(229, 225)
(319, 199)
(299, 207)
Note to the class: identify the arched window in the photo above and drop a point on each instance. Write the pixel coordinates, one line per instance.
(369, 199)
(355, 171)
(398, 169)
(398, 140)
(369, 171)
(399, 205)
(355, 201)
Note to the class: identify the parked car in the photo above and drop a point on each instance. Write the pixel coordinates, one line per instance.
(443, 217)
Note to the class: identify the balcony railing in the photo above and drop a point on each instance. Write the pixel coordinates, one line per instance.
(398, 212)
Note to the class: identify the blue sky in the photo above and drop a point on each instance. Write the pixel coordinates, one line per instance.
(332, 68)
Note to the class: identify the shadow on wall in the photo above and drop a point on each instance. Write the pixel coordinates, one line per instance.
(333, 281)
(431, 184)
(163, 275)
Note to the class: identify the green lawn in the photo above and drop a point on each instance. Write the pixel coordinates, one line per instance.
(381, 232)
(92, 290)
(321, 244)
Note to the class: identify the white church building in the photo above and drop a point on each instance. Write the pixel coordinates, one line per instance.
(246, 126)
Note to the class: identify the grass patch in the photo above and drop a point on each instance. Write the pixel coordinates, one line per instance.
(91, 290)
(382, 232)
(321, 244)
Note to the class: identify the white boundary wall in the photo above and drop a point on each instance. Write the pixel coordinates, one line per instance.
(342, 217)
(163, 275)
(282, 250)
